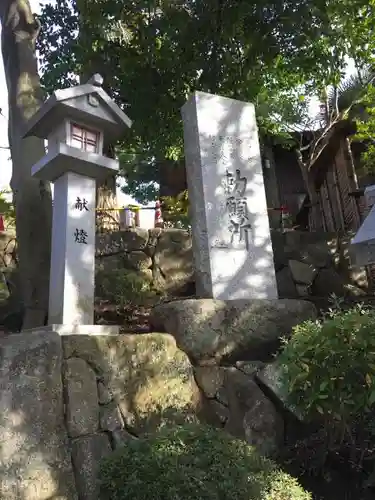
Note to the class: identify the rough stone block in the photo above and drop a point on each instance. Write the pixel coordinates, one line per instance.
(35, 462)
(263, 425)
(210, 379)
(137, 260)
(302, 272)
(249, 367)
(271, 377)
(120, 437)
(222, 396)
(151, 379)
(329, 281)
(110, 417)
(210, 331)
(251, 414)
(104, 394)
(109, 263)
(87, 452)
(285, 284)
(121, 241)
(303, 290)
(220, 411)
(82, 405)
(321, 254)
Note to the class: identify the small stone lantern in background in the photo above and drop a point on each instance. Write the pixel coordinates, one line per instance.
(77, 122)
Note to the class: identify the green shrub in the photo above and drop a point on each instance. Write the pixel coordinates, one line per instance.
(124, 287)
(328, 370)
(194, 462)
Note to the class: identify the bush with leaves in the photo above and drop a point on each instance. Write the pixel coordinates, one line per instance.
(176, 210)
(194, 462)
(328, 372)
(124, 287)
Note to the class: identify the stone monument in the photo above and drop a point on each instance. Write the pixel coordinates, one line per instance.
(231, 235)
(77, 122)
(362, 248)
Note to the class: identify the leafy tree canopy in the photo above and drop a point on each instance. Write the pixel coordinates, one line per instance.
(154, 53)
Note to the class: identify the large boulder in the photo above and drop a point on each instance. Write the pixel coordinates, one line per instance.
(150, 379)
(211, 331)
(302, 272)
(251, 415)
(35, 461)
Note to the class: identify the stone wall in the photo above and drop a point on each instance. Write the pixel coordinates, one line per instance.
(307, 264)
(67, 402)
(163, 257)
(317, 265)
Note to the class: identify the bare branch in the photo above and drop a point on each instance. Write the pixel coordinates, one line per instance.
(305, 148)
(336, 106)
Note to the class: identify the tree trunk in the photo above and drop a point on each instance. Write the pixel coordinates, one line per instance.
(32, 197)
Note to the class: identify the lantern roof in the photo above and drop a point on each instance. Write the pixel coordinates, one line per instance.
(88, 104)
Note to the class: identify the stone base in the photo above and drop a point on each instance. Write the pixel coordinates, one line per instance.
(77, 329)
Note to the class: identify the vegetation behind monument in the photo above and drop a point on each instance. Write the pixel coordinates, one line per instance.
(276, 55)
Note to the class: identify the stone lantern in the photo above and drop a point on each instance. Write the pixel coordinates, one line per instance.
(77, 123)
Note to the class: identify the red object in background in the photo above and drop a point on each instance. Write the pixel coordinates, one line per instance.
(2, 228)
(158, 217)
